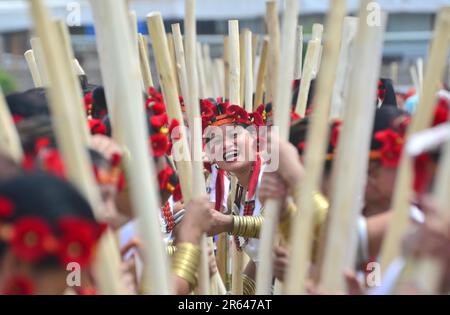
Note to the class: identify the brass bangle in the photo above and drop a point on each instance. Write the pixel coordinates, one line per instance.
(247, 226)
(171, 249)
(285, 223)
(185, 262)
(248, 285)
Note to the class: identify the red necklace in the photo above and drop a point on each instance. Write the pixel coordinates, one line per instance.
(168, 217)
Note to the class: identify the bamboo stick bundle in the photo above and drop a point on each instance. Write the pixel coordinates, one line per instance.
(161, 50)
(145, 64)
(248, 71)
(423, 117)
(273, 28)
(262, 73)
(196, 129)
(70, 144)
(346, 199)
(9, 138)
(167, 80)
(121, 63)
(339, 99)
(32, 66)
(77, 93)
(312, 53)
(282, 110)
(299, 54)
(36, 46)
(317, 140)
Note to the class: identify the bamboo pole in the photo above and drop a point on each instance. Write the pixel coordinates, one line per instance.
(299, 54)
(203, 90)
(262, 72)
(423, 117)
(317, 33)
(36, 46)
(317, 140)
(121, 64)
(78, 68)
(132, 20)
(32, 66)
(419, 64)
(273, 28)
(248, 71)
(70, 143)
(220, 70)
(208, 69)
(339, 99)
(181, 61)
(144, 62)
(173, 59)
(394, 73)
(242, 68)
(226, 63)
(9, 138)
(312, 54)
(77, 93)
(349, 175)
(234, 97)
(195, 127)
(282, 111)
(167, 80)
(234, 62)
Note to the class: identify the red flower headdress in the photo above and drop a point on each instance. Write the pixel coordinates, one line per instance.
(32, 239)
(168, 180)
(391, 148)
(219, 113)
(160, 127)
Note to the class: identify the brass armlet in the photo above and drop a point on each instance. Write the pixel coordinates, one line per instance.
(248, 285)
(185, 262)
(247, 226)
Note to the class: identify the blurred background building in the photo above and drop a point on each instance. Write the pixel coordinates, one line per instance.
(407, 38)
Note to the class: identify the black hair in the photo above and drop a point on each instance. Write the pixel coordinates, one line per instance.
(30, 130)
(386, 117)
(27, 104)
(390, 98)
(48, 198)
(298, 134)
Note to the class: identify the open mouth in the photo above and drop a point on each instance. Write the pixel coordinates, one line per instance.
(230, 156)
